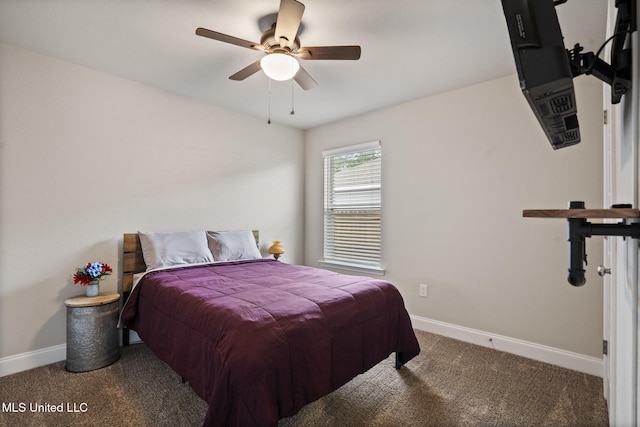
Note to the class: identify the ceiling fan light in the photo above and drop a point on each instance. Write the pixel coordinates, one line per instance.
(279, 66)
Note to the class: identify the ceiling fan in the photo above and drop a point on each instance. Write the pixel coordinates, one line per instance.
(281, 45)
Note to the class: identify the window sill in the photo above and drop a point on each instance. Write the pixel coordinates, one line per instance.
(378, 271)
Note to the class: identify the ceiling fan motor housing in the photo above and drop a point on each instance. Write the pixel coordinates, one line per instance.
(268, 40)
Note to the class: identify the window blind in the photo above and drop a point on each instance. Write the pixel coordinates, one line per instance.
(352, 206)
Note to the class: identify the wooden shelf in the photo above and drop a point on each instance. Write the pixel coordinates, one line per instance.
(582, 213)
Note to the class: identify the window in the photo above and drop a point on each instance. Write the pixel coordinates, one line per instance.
(352, 208)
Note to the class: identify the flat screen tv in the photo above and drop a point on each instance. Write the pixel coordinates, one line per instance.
(543, 67)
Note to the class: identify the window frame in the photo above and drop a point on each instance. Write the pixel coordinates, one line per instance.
(365, 266)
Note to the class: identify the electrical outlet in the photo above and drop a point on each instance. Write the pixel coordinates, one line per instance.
(424, 291)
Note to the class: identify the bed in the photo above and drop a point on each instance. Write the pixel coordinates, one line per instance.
(257, 338)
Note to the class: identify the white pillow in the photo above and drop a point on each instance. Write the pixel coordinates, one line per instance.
(233, 245)
(169, 249)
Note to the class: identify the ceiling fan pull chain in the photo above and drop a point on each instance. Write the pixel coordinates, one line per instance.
(269, 118)
(292, 91)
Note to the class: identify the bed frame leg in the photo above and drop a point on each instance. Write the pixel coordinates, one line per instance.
(398, 363)
(125, 330)
(125, 337)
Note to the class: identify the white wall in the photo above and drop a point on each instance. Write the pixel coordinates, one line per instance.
(458, 169)
(86, 156)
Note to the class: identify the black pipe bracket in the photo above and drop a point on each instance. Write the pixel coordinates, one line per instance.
(580, 228)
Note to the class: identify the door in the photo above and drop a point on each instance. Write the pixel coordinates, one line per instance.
(620, 297)
(621, 287)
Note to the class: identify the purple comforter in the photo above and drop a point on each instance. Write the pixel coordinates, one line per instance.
(258, 340)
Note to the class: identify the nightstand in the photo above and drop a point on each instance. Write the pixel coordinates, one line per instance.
(92, 333)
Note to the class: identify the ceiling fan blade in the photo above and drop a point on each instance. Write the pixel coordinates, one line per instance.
(246, 71)
(304, 79)
(289, 17)
(228, 39)
(330, 52)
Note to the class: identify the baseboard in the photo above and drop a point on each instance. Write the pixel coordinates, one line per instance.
(566, 359)
(133, 337)
(33, 359)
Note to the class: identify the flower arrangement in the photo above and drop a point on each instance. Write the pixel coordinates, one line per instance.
(92, 272)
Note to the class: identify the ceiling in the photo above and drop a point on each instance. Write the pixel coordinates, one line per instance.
(410, 48)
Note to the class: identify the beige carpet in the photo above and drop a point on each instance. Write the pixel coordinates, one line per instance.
(450, 383)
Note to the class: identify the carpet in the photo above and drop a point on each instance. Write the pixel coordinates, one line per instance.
(451, 383)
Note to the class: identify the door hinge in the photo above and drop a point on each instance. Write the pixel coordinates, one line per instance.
(605, 347)
(605, 116)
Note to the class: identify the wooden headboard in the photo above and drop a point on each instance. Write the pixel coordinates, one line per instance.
(133, 261)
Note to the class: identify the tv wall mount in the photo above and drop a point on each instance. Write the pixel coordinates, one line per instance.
(618, 73)
(580, 228)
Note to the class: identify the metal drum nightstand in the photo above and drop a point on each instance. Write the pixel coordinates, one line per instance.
(92, 334)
